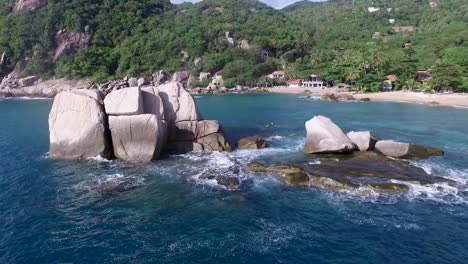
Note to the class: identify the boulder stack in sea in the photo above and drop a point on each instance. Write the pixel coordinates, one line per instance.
(132, 124)
(325, 137)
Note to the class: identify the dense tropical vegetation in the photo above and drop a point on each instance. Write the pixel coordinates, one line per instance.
(332, 39)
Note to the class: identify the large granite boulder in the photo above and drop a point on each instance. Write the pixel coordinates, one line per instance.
(178, 104)
(161, 77)
(254, 142)
(78, 126)
(152, 102)
(128, 101)
(137, 138)
(28, 5)
(363, 140)
(214, 142)
(401, 150)
(323, 136)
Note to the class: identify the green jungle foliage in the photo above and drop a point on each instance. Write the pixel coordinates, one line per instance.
(333, 39)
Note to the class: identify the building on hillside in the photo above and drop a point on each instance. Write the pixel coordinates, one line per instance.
(433, 4)
(372, 9)
(403, 30)
(408, 45)
(424, 76)
(376, 35)
(315, 81)
(295, 83)
(277, 75)
(391, 21)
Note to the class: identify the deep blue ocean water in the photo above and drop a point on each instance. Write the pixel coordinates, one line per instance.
(61, 212)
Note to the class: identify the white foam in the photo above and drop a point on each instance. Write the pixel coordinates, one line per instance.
(99, 159)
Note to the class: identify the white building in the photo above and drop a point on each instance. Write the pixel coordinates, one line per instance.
(372, 9)
(315, 81)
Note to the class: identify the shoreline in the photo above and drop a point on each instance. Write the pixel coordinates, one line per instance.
(458, 100)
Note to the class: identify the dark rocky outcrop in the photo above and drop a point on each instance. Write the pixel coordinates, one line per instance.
(254, 142)
(69, 42)
(360, 172)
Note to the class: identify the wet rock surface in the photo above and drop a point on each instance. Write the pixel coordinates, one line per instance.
(254, 142)
(364, 171)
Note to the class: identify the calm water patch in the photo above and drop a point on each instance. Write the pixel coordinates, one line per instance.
(165, 212)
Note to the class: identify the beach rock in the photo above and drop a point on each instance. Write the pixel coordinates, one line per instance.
(152, 102)
(28, 81)
(141, 82)
(137, 138)
(365, 99)
(178, 104)
(345, 97)
(126, 101)
(323, 136)
(204, 76)
(133, 82)
(291, 174)
(184, 146)
(160, 77)
(191, 130)
(329, 97)
(78, 126)
(214, 142)
(28, 5)
(255, 142)
(363, 140)
(181, 76)
(401, 150)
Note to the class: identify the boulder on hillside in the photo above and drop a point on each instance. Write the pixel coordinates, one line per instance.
(126, 101)
(401, 150)
(133, 82)
(137, 138)
(181, 76)
(28, 81)
(28, 5)
(69, 42)
(178, 104)
(363, 140)
(254, 142)
(323, 136)
(78, 126)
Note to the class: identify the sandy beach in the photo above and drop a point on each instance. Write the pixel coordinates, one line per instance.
(455, 100)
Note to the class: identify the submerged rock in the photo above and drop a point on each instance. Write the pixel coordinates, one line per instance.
(323, 136)
(254, 142)
(78, 126)
(401, 150)
(360, 172)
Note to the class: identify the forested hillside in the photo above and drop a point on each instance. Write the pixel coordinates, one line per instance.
(106, 39)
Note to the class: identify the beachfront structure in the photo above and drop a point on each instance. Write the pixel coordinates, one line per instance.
(277, 75)
(376, 35)
(424, 76)
(315, 81)
(295, 83)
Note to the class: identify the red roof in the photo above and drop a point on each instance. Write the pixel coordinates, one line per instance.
(392, 78)
(279, 73)
(295, 81)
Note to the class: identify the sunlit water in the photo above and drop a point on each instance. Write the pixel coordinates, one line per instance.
(99, 211)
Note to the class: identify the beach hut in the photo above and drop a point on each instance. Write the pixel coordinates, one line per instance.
(295, 83)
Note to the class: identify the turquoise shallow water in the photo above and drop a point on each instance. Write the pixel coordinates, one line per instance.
(63, 212)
